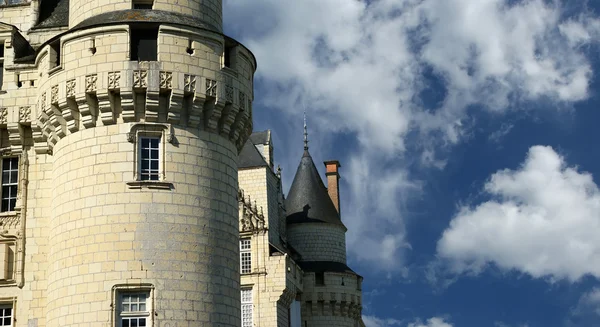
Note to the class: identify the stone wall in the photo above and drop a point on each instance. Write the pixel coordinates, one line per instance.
(183, 240)
(318, 241)
(261, 184)
(209, 11)
(19, 15)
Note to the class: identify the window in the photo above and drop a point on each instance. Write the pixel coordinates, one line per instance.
(142, 4)
(6, 315)
(6, 254)
(320, 278)
(144, 44)
(149, 158)
(10, 182)
(245, 256)
(229, 56)
(55, 46)
(148, 167)
(134, 310)
(247, 307)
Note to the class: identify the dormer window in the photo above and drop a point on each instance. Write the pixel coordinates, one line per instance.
(143, 4)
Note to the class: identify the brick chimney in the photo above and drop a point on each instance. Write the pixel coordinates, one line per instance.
(333, 182)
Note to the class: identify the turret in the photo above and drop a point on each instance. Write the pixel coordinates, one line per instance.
(332, 291)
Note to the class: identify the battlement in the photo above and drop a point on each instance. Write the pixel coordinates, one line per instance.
(332, 294)
(198, 79)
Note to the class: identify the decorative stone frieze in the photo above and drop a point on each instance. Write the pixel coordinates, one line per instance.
(54, 94)
(166, 80)
(3, 115)
(140, 79)
(229, 93)
(71, 84)
(211, 88)
(114, 80)
(251, 218)
(24, 114)
(190, 83)
(91, 83)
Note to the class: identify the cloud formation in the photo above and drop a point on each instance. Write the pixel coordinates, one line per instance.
(372, 321)
(433, 322)
(542, 219)
(365, 69)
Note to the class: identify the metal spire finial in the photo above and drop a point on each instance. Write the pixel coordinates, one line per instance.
(305, 133)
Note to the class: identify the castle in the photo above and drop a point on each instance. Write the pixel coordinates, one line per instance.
(133, 191)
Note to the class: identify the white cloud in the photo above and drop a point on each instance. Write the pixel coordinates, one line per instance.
(433, 322)
(589, 303)
(587, 310)
(542, 219)
(372, 321)
(359, 67)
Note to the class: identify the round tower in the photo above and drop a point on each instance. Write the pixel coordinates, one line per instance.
(207, 11)
(144, 112)
(331, 290)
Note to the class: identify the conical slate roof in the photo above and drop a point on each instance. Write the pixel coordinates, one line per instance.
(308, 200)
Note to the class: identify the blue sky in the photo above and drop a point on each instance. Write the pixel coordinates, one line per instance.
(467, 135)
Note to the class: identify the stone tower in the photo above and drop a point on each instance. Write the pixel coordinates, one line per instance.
(331, 294)
(123, 120)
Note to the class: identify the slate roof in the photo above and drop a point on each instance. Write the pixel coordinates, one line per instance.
(325, 266)
(308, 200)
(145, 16)
(53, 13)
(249, 157)
(260, 137)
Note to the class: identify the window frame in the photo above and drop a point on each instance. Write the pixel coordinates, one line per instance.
(14, 184)
(245, 249)
(9, 302)
(121, 290)
(153, 174)
(247, 304)
(133, 315)
(141, 131)
(11, 316)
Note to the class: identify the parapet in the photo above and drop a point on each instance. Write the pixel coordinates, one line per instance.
(207, 11)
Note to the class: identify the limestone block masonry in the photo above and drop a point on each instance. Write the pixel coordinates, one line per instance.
(123, 125)
(209, 11)
(74, 114)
